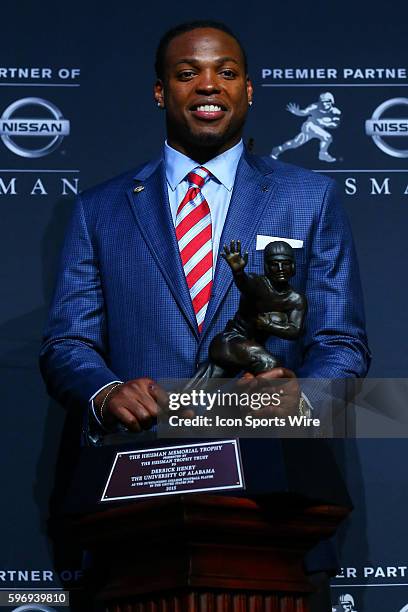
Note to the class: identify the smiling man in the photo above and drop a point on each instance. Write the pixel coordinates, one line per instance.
(204, 86)
(142, 291)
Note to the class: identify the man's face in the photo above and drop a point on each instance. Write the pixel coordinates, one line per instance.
(279, 268)
(205, 91)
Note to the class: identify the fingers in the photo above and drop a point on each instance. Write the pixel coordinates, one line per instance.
(126, 417)
(283, 381)
(131, 413)
(284, 392)
(187, 413)
(247, 382)
(138, 392)
(159, 394)
(136, 403)
(280, 378)
(234, 248)
(276, 373)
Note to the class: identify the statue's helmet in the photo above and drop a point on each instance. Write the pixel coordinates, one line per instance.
(326, 97)
(347, 599)
(279, 250)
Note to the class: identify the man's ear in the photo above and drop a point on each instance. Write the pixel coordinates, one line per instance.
(159, 93)
(250, 90)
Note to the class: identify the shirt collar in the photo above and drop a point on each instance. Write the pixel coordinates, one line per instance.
(223, 167)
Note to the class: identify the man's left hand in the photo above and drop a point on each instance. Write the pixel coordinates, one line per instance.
(278, 380)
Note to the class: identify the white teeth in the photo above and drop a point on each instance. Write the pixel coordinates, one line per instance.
(208, 108)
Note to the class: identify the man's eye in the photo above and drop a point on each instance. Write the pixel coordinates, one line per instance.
(230, 74)
(186, 74)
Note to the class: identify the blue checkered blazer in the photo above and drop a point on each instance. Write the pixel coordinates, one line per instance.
(122, 308)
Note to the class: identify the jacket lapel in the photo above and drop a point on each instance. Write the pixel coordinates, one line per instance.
(150, 206)
(253, 188)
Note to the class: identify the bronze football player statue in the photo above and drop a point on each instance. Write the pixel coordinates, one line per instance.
(268, 306)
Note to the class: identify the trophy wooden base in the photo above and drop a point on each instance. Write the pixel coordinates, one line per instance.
(206, 553)
(197, 601)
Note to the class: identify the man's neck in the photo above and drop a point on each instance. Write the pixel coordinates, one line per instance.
(201, 154)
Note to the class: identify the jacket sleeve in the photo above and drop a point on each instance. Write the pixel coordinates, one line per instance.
(73, 356)
(335, 343)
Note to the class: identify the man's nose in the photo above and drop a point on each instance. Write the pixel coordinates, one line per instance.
(207, 82)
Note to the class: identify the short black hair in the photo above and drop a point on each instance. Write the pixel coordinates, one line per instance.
(188, 26)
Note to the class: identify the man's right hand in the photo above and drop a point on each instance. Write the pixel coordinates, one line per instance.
(135, 404)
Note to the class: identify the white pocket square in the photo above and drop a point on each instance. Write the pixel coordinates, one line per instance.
(263, 241)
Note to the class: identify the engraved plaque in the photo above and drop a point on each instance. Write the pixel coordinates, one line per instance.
(186, 468)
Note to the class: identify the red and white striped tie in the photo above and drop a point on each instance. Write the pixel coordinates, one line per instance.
(194, 235)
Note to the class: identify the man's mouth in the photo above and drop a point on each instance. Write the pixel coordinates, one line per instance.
(208, 112)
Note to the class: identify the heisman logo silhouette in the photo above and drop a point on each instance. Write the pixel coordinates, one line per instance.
(321, 116)
(345, 604)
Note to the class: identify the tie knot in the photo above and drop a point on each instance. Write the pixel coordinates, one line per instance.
(198, 177)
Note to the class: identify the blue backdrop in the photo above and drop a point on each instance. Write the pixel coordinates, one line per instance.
(88, 69)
